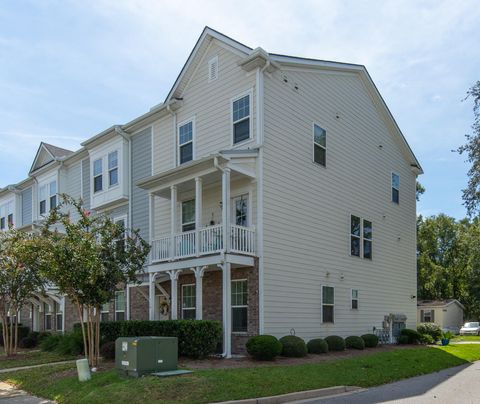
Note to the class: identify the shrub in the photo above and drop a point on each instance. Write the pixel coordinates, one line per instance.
(413, 335)
(293, 346)
(107, 350)
(317, 346)
(403, 339)
(335, 343)
(371, 340)
(42, 335)
(22, 333)
(264, 347)
(426, 339)
(196, 338)
(28, 342)
(50, 343)
(70, 344)
(354, 342)
(431, 329)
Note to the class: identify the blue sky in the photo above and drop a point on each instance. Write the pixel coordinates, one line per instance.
(69, 69)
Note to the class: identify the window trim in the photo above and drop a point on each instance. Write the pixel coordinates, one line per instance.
(194, 308)
(319, 145)
(47, 185)
(49, 315)
(115, 304)
(327, 304)
(248, 92)
(352, 299)
(98, 175)
(248, 198)
(361, 238)
(110, 186)
(102, 311)
(392, 173)
(243, 306)
(193, 141)
(58, 312)
(181, 215)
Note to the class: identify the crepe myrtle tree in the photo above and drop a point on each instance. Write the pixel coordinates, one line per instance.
(20, 278)
(88, 259)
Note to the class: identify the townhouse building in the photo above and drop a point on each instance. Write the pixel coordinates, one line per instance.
(277, 193)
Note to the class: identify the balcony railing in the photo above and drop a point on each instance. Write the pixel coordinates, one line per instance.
(242, 241)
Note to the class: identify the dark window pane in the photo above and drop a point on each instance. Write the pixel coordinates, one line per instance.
(120, 316)
(355, 246)
(355, 226)
(53, 201)
(241, 108)
(104, 317)
(9, 219)
(59, 321)
(43, 207)
(189, 314)
(241, 131)
(97, 184)
(239, 319)
(354, 304)
(185, 133)
(319, 155)
(367, 249)
(327, 295)
(48, 322)
(186, 153)
(113, 177)
(395, 181)
(2, 223)
(367, 229)
(395, 195)
(327, 313)
(320, 136)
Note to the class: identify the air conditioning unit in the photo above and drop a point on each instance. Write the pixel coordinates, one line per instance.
(139, 356)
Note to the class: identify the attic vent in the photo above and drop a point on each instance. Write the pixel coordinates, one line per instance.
(213, 69)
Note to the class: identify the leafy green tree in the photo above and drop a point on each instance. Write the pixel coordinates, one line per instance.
(20, 278)
(419, 191)
(88, 260)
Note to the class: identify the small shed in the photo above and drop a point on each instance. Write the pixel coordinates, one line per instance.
(448, 314)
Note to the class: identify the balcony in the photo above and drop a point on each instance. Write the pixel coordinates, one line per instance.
(210, 241)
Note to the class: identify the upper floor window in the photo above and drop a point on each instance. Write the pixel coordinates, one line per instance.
(239, 305)
(395, 188)
(43, 199)
(354, 299)
(112, 168)
(188, 215)
(120, 306)
(328, 303)
(53, 194)
(47, 196)
(2, 223)
(361, 237)
(240, 206)
(188, 302)
(319, 145)
(120, 242)
(6, 215)
(97, 175)
(185, 142)
(241, 119)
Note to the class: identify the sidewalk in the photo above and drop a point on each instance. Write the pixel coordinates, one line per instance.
(36, 366)
(10, 395)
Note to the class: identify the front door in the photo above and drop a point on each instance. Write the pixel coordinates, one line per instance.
(240, 213)
(162, 309)
(36, 319)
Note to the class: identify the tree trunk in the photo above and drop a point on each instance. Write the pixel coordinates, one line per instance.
(16, 334)
(82, 325)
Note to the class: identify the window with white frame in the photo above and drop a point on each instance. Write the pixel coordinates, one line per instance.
(328, 303)
(119, 305)
(185, 142)
(354, 299)
(105, 312)
(213, 69)
(48, 316)
(6, 215)
(58, 317)
(361, 237)
(188, 215)
(52, 193)
(122, 222)
(319, 145)
(98, 175)
(240, 206)
(113, 168)
(188, 302)
(47, 197)
(42, 199)
(241, 119)
(395, 188)
(427, 316)
(239, 305)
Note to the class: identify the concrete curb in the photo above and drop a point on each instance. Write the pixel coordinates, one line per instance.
(35, 366)
(297, 396)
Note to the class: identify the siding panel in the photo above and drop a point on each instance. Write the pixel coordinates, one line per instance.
(27, 202)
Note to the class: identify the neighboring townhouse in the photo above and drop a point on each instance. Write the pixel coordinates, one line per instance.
(277, 192)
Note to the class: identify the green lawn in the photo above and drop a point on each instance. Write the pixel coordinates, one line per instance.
(60, 382)
(466, 338)
(29, 358)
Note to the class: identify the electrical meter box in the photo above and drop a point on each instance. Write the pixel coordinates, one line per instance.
(139, 356)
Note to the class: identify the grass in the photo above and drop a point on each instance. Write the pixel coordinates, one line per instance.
(475, 338)
(60, 382)
(29, 358)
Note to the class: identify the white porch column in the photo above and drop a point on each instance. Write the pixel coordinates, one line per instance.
(226, 209)
(127, 302)
(173, 293)
(198, 213)
(151, 296)
(62, 308)
(227, 309)
(198, 271)
(173, 218)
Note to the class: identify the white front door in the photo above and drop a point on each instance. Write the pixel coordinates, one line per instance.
(240, 211)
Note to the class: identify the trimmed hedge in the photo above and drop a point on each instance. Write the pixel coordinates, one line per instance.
(293, 346)
(426, 339)
(413, 336)
(431, 329)
(107, 350)
(335, 343)
(317, 346)
(196, 338)
(371, 340)
(22, 333)
(50, 343)
(354, 342)
(264, 347)
(403, 339)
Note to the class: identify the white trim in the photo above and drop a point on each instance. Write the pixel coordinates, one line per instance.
(194, 308)
(352, 299)
(392, 173)
(319, 145)
(115, 304)
(193, 141)
(233, 200)
(213, 61)
(327, 304)
(248, 92)
(181, 214)
(361, 237)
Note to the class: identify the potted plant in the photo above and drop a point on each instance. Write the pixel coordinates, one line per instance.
(446, 336)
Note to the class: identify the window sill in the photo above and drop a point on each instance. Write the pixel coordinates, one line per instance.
(319, 165)
(240, 333)
(242, 143)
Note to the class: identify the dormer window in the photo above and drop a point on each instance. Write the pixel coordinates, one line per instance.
(97, 175)
(112, 169)
(47, 197)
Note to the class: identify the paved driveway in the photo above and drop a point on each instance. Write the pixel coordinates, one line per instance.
(455, 385)
(10, 395)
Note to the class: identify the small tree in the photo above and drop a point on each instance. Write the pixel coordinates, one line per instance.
(87, 261)
(19, 279)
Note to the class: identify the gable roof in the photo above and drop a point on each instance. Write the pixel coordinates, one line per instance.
(438, 303)
(47, 153)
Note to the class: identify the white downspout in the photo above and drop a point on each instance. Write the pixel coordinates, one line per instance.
(174, 123)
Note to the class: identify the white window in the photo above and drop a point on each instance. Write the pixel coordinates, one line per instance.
(239, 305)
(53, 194)
(427, 316)
(48, 316)
(98, 175)
(213, 69)
(241, 119)
(6, 215)
(395, 188)
(188, 302)
(185, 142)
(354, 299)
(58, 317)
(104, 314)
(112, 168)
(328, 303)
(240, 210)
(43, 199)
(188, 215)
(47, 196)
(319, 145)
(120, 305)
(361, 237)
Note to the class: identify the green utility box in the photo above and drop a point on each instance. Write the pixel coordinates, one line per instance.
(139, 356)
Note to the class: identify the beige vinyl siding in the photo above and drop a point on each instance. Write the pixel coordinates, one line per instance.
(307, 208)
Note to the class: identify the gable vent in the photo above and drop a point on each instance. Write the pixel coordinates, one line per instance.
(213, 69)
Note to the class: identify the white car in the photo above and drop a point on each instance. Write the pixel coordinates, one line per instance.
(470, 329)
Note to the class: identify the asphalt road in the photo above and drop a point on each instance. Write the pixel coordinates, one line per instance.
(460, 385)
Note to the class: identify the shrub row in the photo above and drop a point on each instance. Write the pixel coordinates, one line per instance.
(22, 332)
(64, 344)
(196, 338)
(426, 334)
(267, 347)
(431, 329)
